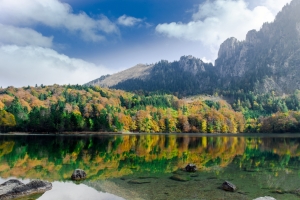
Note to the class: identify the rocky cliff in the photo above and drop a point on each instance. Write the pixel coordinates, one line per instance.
(268, 60)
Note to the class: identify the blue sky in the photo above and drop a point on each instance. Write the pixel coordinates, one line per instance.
(75, 41)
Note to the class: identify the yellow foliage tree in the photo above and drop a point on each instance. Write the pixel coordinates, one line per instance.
(1, 105)
(7, 119)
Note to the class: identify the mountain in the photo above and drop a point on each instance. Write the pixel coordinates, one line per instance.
(267, 60)
(163, 76)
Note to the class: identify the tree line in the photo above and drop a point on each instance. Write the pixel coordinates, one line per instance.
(91, 108)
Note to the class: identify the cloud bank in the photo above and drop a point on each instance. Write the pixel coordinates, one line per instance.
(32, 65)
(26, 55)
(55, 14)
(215, 21)
(23, 36)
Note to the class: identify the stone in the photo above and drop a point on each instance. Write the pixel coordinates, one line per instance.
(177, 177)
(78, 174)
(296, 192)
(191, 168)
(265, 198)
(14, 188)
(279, 191)
(228, 186)
(138, 182)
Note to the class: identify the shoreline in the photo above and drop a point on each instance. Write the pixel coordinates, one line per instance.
(89, 133)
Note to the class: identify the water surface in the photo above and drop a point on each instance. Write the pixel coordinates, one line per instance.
(145, 166)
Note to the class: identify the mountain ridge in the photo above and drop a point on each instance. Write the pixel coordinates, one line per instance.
(267, 60)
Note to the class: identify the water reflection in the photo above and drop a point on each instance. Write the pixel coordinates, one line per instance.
(55, 157)
(266, 161)
(69, 191)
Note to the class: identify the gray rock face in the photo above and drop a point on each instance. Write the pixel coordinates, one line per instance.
(78, 174)
(268, 60)
(191, 64)
(228, 48)
(252, 37)
(14, 188)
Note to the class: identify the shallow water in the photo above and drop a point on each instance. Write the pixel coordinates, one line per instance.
(144, 166)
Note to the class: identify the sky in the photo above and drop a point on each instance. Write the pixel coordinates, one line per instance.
(75, 41)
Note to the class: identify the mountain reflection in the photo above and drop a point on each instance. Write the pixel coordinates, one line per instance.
(102, 157)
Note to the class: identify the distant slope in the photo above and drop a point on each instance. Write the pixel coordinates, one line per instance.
(268, 60)
(138, 71)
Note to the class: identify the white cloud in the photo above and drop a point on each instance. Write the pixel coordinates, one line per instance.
(218, 20)
(204, 59)
(23, 36)
(274, 5)
(128, 21)
(22, 66)
(55, 14)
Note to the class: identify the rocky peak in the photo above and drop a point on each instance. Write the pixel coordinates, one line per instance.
(228, 48)
(191, 64)
(251, 37)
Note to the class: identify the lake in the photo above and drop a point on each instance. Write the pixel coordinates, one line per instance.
(150, 166)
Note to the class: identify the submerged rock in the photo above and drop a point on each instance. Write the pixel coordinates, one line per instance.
(191, 168)
(147, 177)
(296, 192)
(179, 172)
(14, 188)
(228, 186)
(279, 191)
(78, 174)
(138, 182)
(177, 177)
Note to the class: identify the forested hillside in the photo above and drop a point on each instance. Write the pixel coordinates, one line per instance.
(267, 112)
(81, 108)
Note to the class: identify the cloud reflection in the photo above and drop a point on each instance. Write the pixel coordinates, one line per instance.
(71, 191)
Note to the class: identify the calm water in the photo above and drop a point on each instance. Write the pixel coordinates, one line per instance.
(142, 166)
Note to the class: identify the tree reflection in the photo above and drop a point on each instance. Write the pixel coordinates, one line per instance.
(55, 157)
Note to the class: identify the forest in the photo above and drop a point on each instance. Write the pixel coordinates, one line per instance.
(269, 112)
(91, 108)
(76, 108)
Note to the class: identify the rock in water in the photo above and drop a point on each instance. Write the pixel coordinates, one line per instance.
(14, 188)
(228, 186)
(190, 168)
(138, 182)
(296, 192)
(177, 177)
(78, 174)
